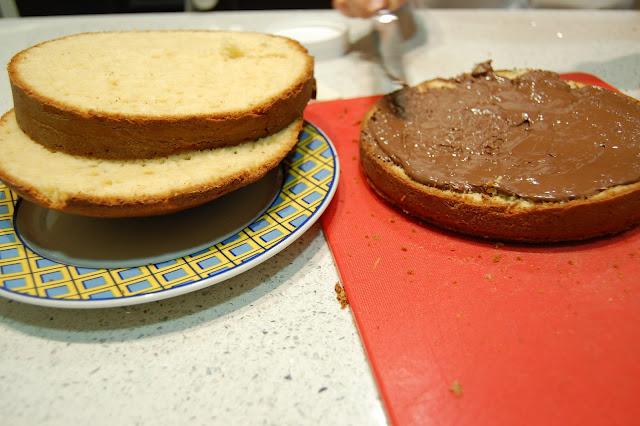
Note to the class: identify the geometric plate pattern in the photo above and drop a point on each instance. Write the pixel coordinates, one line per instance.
(311, 173)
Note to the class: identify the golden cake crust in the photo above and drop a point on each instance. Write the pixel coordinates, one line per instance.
(93, 133)
(95, 203)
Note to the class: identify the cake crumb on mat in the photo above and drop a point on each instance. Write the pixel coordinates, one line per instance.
(456, 388)
(341, 296)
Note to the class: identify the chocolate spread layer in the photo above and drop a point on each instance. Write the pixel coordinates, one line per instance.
(532, 137)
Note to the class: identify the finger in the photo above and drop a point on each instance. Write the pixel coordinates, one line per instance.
(359, 8)
(342, 6)
(395, 4)
(366, 8)
(351, 8)
(370, 7)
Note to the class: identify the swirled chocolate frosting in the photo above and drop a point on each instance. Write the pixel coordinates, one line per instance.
(533, 137)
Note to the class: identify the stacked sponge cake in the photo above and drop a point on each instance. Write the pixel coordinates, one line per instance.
(140, 123)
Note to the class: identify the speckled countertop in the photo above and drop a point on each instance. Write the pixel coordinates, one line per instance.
(270, 346)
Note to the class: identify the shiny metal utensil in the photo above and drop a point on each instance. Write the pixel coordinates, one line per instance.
(394, 28)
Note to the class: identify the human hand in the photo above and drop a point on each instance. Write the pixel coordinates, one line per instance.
(365, 8)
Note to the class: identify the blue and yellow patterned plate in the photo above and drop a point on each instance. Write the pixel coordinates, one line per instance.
(311, 178)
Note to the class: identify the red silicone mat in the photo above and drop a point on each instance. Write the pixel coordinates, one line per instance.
(523, 334)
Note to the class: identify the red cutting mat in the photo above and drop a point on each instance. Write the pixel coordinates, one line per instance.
(523, 334)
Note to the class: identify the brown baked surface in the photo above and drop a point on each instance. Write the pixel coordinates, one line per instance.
(610, 211)
(91, 133)
(70, 185)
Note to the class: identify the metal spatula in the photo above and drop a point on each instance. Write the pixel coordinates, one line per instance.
(394, 28)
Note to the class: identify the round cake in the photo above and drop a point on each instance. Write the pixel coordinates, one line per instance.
(135, 187)
(521, 156)
(143, 94)
(122, 124)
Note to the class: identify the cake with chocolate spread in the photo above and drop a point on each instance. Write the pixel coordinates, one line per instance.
(508, 155)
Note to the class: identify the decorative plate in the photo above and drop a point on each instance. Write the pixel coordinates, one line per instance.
(310, 180)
